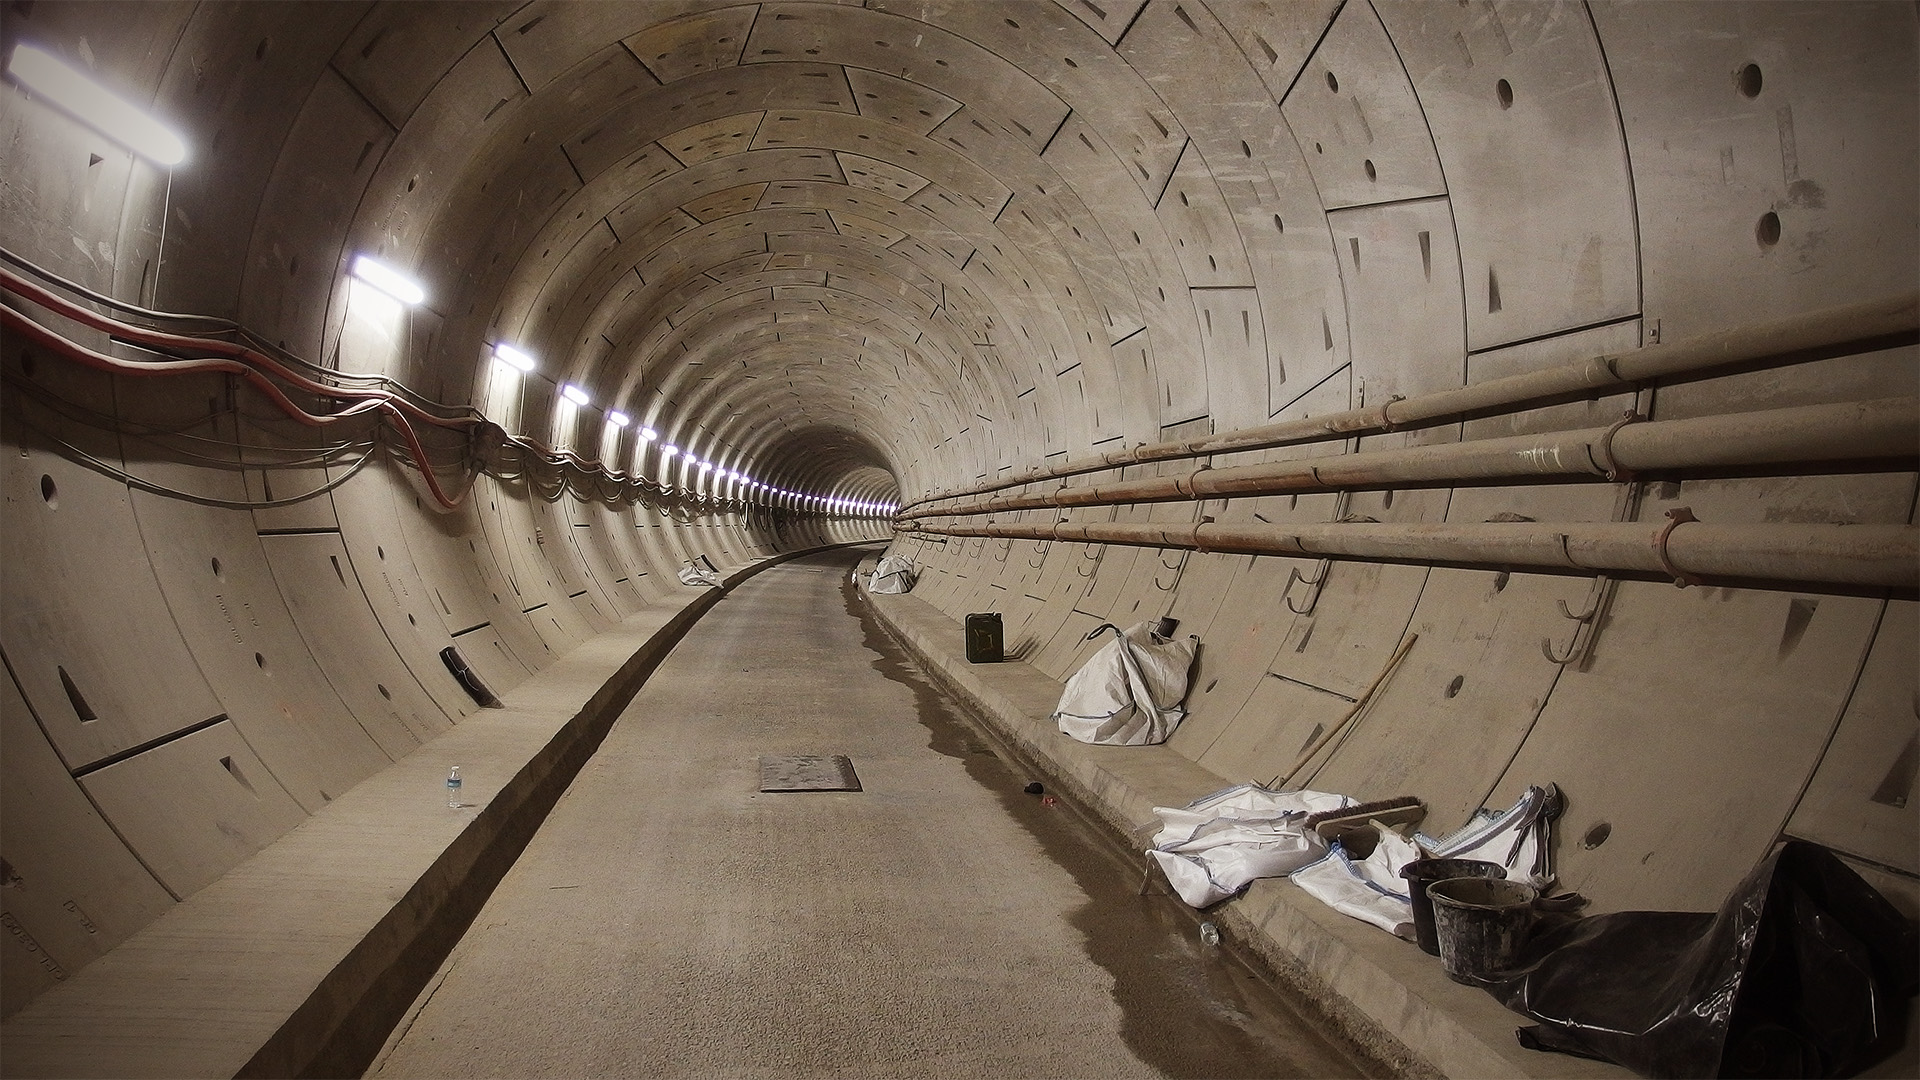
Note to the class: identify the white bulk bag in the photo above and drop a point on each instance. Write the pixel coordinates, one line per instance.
(1211, 848)
(1130, 692)
(894, 574)
(700, 571)
(1369, 889)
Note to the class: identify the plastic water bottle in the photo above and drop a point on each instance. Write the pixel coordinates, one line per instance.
(453, 788)
(1209, 934)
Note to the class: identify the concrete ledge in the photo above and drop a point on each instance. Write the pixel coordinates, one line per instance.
(299, 960)
(1385, 993)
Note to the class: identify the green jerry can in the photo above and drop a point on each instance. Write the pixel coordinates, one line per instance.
(985, 644)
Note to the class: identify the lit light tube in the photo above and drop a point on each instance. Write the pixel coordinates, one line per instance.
(668, 450)
(574, 394)
(51, 78)
(512, 357)
(388, 280)
(618, 418)
(648, 433)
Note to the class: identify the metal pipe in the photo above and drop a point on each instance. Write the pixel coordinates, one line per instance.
(1883, 430)
(1793, 339)
(1683, 549)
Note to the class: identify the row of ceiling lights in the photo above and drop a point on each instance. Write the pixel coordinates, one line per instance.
(64, 86)
(407, 291)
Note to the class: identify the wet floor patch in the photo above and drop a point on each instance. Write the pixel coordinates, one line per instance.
(1189, 1009)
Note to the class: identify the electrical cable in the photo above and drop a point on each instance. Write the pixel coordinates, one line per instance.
(587, 477)
(81, 457)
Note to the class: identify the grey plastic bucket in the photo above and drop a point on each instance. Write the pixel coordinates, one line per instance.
(1421, 873)
(1482, 924)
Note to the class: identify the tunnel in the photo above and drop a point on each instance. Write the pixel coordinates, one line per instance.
(1501, 393)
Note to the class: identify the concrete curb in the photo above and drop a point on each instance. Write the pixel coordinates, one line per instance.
(1381, 992)
(300, 959)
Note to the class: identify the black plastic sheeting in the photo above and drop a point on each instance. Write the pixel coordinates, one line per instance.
(1804, 971)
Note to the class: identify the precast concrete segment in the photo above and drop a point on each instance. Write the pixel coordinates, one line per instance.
(1778, 341)
(670, 919)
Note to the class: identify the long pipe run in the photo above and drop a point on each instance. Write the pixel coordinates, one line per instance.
(1786, 340)
(1882, 430)
(1682, 548)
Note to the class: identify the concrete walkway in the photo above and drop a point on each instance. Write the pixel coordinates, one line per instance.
(669, 919)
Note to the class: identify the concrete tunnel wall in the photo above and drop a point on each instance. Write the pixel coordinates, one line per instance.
(883, 252)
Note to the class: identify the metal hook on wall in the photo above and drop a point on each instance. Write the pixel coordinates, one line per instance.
(1587, 628)
(1316, 583)
(1089, 563)
(1040, 553)
(1177, 568)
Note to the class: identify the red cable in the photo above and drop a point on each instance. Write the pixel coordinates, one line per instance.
(47, 339)
(59, 305)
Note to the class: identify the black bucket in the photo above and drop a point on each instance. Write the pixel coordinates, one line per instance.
(1482, 924)
(1421, 873)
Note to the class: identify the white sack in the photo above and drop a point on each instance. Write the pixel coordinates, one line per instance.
(1211, 848)
(1370, 889)
(700, 571)
(894, 574)
(1128, 693)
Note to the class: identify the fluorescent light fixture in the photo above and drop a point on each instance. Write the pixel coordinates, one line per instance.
(574, 394)
(668, 449)
(706, 466)
(51, 78)
(618, 418)
(648, 433)
(512, 357)
(388, 280)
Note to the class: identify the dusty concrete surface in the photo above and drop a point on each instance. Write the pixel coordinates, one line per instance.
(671, 920)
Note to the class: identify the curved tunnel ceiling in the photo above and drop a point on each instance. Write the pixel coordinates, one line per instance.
(746, 223)
(985, 234)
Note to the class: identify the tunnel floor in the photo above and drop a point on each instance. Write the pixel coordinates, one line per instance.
(670, 919)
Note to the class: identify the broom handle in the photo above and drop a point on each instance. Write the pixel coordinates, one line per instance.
(1358, 704)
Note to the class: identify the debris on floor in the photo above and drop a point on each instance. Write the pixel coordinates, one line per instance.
(1804, 971)
(1131, 692)
(1212, 848)
(700, 570)
(894, 574)
(808, 772)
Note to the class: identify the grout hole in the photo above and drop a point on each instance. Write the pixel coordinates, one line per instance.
(1504, 91)
(1768, 231)
(384, 692)
(1596, 836)
(216, 566)
(1748, 80)
(260, 661)
(1370, 171)
(1453, 688)
(1333, 84)
(49, 493)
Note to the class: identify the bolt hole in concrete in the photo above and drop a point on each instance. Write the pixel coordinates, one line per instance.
(1749, 80)
(1596, 836)
(49, 493)
(1768, 231)
(1504, 91)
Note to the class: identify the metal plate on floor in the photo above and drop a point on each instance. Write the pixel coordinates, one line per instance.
(807, 772)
